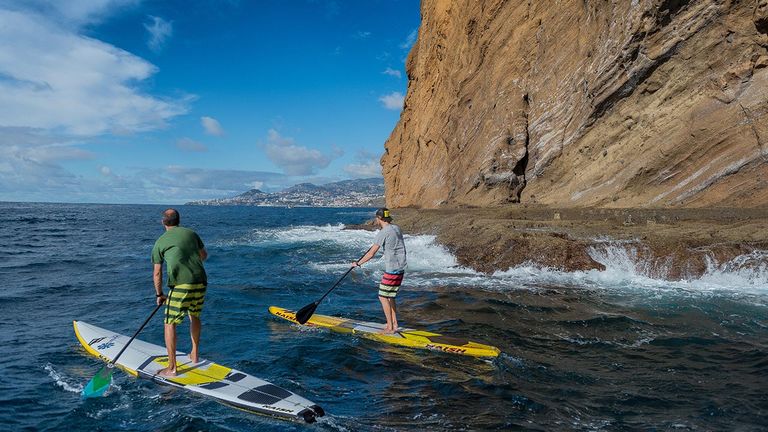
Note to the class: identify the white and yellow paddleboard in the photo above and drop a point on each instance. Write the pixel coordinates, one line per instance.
(224, 384)
(404, 337)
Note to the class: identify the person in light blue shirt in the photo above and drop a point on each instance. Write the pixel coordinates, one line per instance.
(390, 239)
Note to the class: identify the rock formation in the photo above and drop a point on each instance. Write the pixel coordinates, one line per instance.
(633, 103)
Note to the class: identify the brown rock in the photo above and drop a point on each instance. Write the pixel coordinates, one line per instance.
(637, 103)
(670, 243)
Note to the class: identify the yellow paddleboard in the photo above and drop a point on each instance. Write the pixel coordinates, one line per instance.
(404, 337)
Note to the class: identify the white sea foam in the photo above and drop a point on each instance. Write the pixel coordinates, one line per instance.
(747, 274)
(61, 382)
(430, 263)
(303, 234)
(424, 254)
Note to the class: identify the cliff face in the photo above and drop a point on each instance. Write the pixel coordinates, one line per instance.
(584, 103)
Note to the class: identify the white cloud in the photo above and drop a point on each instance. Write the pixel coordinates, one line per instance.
(367, 165)
(212, 126)
(34, 181)
(294, 159)
(392, 72)
(200, 183)
(393, 101)
(188, 144)
(31, 170)
(30, 166)
(256, 185)
(364, 170)
(52, 78)
(72, 13)
(362, 35)
(159, 31)
(410, 39)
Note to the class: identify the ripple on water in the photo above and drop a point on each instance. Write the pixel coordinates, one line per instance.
(611, 350)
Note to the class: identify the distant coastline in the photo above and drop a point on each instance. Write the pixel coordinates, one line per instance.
(347, 193)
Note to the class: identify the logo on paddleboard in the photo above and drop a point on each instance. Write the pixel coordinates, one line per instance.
(285, 315)
(279, 409)
(93, 341)
(446, 349)
(105, 345)
(109, 343)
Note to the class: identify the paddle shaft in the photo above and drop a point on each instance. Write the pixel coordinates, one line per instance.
(136, 334)
(303, 314)
(340, 279)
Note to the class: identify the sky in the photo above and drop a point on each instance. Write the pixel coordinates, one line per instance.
(130, 101)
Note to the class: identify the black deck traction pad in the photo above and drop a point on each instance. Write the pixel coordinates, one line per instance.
(213, 385)
(234, 376)
(266, 394)
(274, 390)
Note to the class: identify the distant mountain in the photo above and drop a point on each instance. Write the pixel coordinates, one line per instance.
(253, 193)
(304, 188)
(346, 193)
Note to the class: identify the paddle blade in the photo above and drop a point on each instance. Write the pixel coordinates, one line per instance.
(305, 313)
(99, 383)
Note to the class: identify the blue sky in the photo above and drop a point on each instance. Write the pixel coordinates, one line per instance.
(129, 101)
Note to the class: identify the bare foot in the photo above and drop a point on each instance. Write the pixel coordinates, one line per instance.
(387, 331)
(167, 372)
(194, 357)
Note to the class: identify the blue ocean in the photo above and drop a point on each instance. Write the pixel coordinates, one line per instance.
(609, 350)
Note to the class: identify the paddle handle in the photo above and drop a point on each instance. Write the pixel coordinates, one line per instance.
(136, 334)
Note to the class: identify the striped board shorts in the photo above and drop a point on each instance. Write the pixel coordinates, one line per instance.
(184, 299)
(390, 284)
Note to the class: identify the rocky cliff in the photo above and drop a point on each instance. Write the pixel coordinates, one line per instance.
(632, 103)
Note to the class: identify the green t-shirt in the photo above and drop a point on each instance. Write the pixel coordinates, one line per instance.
(180, 249)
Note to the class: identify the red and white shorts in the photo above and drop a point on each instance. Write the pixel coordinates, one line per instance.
(390, 284)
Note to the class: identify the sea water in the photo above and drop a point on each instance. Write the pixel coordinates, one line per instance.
(607, 350)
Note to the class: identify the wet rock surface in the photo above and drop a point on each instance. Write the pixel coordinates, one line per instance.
(667, 243)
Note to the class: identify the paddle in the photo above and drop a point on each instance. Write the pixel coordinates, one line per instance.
(103, 378)
(305, 313)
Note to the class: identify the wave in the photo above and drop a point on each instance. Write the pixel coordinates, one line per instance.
(61, 382)
(424, 253)
(745, 274)
(296, 235)
(430, 263)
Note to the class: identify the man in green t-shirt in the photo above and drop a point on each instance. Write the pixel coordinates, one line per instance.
(183, 253)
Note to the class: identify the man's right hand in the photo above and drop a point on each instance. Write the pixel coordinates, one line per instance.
(161, 299)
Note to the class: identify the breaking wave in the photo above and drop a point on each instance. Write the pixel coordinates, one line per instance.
(430, 263)
(746, 274)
